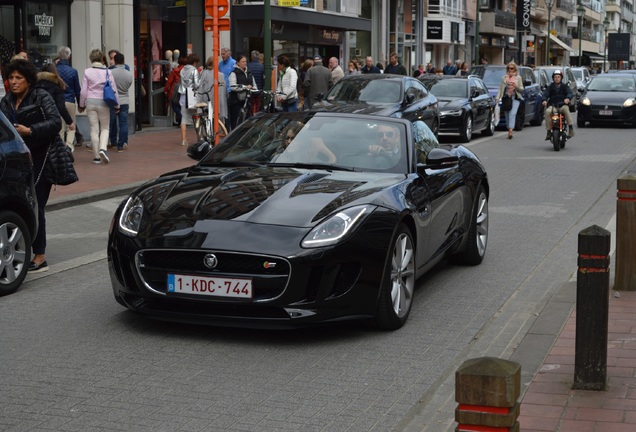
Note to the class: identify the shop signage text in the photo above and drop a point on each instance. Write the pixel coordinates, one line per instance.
(44, 23)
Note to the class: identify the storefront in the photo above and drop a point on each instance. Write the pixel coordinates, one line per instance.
(300, 34)
(39, 28)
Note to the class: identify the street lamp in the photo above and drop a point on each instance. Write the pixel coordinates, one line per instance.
(548, 4)
(606, 24)
(580, 11)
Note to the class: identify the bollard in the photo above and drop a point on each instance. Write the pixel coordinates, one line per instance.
(592, 309)
(487, 390)
(625, 278)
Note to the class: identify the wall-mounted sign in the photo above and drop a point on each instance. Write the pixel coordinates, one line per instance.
(288, 2)
(44, 23)
(434, 29)
(330, 36)
(523, 15)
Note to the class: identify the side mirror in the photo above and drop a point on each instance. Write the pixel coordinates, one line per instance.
(199, 149)
(319, 97)
(409, 99)
(440, 158)
(474, 94)
(527, 82)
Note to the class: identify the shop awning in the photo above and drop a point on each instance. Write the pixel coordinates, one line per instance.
(558, 41)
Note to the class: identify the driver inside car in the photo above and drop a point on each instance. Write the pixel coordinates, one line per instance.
(555, 94)
(389, 142)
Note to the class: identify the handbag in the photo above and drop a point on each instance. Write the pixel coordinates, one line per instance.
(506, 103)
(191, 98)
(30, 115)
(58, 167)
(109, 93)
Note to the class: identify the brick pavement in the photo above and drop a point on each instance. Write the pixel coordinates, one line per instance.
(548, 404)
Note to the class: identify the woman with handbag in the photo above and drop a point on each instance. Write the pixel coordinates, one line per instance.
(510, 95)
(36, 119)
(241, 82)
(187, 89)
(97, 110)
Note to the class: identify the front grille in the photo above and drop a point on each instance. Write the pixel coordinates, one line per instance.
(269, 274)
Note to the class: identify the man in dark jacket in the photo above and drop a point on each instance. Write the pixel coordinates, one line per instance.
(557, 93)
(394, 66)
(71, 95)
(256, 67)
(317, 81)
(369, 66)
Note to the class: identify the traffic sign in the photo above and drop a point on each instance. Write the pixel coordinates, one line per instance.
(224, 24)
(222, 5)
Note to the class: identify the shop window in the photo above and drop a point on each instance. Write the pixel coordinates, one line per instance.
(46, 31)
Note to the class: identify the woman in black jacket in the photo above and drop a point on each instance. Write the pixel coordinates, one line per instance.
(49, 79)
(44, 125)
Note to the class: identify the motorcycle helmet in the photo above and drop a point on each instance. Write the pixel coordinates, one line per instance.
(557, 72)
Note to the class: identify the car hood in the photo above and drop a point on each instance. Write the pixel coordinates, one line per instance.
(380, 109)
(277, 196)
(611, 98)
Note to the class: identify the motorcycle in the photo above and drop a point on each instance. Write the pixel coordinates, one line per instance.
(559, 127)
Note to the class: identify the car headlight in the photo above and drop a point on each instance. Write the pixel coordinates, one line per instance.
(130, 218)
(457, 112)
(629, 102)
(586, 101)
(335, 228)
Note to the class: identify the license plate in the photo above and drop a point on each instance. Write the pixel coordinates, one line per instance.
(604, 112)
(210, 286)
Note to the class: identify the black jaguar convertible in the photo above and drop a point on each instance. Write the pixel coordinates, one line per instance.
(297, 219)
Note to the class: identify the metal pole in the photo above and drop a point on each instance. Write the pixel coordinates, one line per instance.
(580, 42)
(605, 52)
(267, 45)
(547, 42)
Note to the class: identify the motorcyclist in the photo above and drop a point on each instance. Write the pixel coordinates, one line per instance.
(553, 95)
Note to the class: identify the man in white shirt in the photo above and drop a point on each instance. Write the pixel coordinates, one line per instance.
(336, 71)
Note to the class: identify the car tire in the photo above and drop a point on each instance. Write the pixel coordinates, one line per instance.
(477, 233)
(15, 244)
(398, 284)
(520, 120)
(490, 128)
(538, 121)
(467, 129)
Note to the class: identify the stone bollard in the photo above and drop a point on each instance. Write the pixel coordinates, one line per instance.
(487, 390)
(592, 309)
(625, 278)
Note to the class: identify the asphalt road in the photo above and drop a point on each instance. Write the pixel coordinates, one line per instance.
(74, 360)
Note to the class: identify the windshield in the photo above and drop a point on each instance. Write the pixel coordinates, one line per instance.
(611, 84)
(372, 91)
(578, 74)
(452, 88)
(315, 140)
(492, 76)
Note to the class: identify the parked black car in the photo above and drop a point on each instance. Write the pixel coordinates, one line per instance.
(386, 95)
(530, 110)
(18, 208)
(465, 105)
(300, 218)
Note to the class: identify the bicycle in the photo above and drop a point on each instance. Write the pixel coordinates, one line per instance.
(246, 109)
(203, 124)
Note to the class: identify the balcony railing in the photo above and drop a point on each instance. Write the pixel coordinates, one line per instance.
(441, 9)
(502, 19)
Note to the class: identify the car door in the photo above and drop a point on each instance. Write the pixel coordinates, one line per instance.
(419, 107)
(530, 92)
(438, 197)
(480, 100)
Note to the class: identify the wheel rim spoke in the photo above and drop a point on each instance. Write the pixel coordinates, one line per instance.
(482, 224)
(402, 275)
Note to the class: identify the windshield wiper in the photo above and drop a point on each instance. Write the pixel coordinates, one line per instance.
(328, 167)
(233, 163)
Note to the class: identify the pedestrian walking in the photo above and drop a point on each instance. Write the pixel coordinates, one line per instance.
(71, 96)
(171, 90)
(50, 80)
(287, 85)
(336, 71)
(206, 89)
(369, 67)
(92, 101)
(119, 120)
(241, 81)
(511, 86)
(450, 68)
(317, 81)
(257, 69)
(352, 68)
(394, 66)
(189, 80)
(22, 77)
